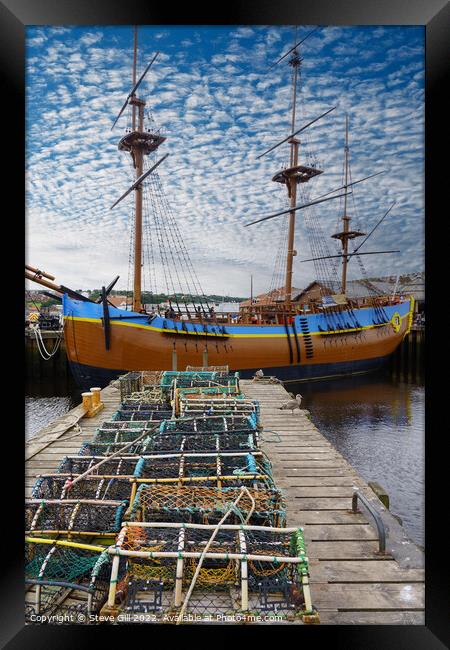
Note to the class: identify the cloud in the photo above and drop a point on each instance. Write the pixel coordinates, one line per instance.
(220, 105)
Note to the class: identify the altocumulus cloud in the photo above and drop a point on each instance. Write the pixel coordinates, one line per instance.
(220, 104)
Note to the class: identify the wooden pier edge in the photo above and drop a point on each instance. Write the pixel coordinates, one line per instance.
(351, 583)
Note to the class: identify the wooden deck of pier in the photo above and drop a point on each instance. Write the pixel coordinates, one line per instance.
(350, 582)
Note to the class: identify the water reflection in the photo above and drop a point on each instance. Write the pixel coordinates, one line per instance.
(377, 424)
(46, 400)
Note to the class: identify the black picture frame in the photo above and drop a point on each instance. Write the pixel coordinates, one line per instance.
(15, 15)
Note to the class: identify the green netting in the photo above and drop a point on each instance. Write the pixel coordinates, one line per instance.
(64, 585)
(62, 563)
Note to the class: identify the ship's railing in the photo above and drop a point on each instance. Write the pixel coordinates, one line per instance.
(269, 313)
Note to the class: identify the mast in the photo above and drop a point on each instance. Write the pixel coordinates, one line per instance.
(292, 186)
(294, 174)
(345, 217)
(346, 233)
(138, 163)
(138, 143)
(134, 73)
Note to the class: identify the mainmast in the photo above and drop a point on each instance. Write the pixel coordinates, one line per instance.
(346, 233)
(139, 143)
(293, 175)
(138, 159)
(292, 186)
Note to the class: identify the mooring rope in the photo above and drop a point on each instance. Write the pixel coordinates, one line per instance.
(45, 354)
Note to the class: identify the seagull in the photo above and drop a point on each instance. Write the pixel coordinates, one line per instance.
(292, 404)
(258, 374)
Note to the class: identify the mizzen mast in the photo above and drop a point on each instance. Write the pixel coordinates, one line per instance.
(346, 233)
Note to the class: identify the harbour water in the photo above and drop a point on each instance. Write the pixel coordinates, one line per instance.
(376, 422)
(47, 399)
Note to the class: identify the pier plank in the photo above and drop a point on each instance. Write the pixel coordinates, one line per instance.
(372, 618)
(325, 517)
(341, 550)
(355, 571)
(339, 532)
(375, 596)
(295, 477)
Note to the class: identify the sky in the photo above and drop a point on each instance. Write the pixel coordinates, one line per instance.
(216, 97)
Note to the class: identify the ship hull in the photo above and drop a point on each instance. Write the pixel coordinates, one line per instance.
(308, 349)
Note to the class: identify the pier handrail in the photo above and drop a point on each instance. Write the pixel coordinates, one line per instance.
(378, 521)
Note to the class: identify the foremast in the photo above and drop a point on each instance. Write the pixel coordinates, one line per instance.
(138, 143)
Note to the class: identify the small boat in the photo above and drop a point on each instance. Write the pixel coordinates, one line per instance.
(331, 335)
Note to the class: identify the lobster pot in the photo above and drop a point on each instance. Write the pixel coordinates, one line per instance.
(199, 504)
(147, 406)
(65, 585)
(130, 383)
(143, 414)
(201, 378)
(106, 448)
(183, 442)
(92, 487)
(117, 435)
(208, 470)
(112, 425)
(206, 464)
(68, 516)
(151, 379)
(73, 465)
(244, 569)
(211, 424)
(197, 392)
(149, 395)
(209, 406)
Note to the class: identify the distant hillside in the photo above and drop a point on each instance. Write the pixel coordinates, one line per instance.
(147, 297)
(156, 298)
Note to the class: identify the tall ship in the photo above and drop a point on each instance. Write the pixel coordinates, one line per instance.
(328, 332)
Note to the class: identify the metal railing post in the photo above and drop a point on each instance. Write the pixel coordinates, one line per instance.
(378, 521)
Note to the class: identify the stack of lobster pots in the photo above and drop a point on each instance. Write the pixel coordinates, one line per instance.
(170, 514)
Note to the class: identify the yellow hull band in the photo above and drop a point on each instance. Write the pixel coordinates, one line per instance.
(238, 336)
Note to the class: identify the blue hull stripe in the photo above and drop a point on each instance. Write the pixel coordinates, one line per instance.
(318, 324)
